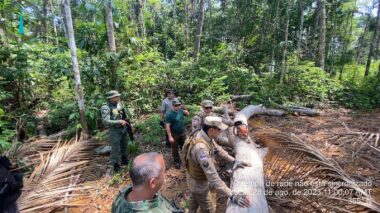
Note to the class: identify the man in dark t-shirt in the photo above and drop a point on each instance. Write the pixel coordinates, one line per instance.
(175, 128)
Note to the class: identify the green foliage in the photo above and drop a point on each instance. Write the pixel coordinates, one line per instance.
(116, 179)
(361, 94)
(150, 130)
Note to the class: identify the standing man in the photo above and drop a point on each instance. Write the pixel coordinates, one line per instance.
(201, 173)
(166, 106)
(148, 176)
(207, 109)
(175, 128)
(114, 117)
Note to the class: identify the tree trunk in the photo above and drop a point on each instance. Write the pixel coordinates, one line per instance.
(198, 33)
(374, 43)
(140, 17)
(54, 25)
(301, 27)
(186, 29)
(3, 31)
(322, 33)
(47, 12)
(249, 180)
(111, 40)
(71, 43)
(263, 25)
(283, 63)
(274, 29)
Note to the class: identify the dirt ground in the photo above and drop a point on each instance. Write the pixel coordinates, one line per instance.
(313, 130)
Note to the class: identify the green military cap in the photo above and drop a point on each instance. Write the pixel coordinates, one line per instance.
(176, 101)
(207, 103)
(112, 93)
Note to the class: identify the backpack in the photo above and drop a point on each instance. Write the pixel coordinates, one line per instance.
(11, 184)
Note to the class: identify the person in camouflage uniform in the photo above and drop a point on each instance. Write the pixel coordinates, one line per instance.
(148, 176)
(201, 174)
(207, 109)
(114, 116)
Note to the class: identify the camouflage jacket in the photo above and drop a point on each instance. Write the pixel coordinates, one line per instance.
(112, 114)
(203, 156)
(158, 205)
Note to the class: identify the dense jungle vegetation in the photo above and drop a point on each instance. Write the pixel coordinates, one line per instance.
(301, 52)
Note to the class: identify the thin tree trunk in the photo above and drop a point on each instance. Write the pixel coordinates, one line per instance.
(53, 24)
(3, 34)
(111, 39)
(140, 17)
(47, 12)
(283, 63)
(263, 24)
(362, 39)
(198, 33)
(301, 26)
(274, 41)
(186, 29)
(78, 86)
(322, 34)
(374, 43)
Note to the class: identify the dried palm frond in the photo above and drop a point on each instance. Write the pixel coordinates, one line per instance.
(359, 143)
(58, 177)
(301, 179)
(29, 152)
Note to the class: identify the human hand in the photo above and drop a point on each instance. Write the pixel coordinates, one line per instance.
(241, 164)
(123, 122)
(241, 200)
(171, 139)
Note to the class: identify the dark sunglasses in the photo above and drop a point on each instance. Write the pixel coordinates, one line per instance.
(208, 107)
(177, 105)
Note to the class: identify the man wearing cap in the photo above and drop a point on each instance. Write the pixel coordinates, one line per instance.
(175, 128)
(147, 173)
(201, 173)
(207, 109)
(114, 116)
(166, 106)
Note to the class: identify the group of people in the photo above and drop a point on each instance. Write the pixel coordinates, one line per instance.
(197, 152)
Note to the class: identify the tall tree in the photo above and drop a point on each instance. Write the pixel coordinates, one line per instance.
(139, 6)
(198, 32)
(283, 63)
(300, 32)
(374, 43)
(47, 11)
(111, 39)
(186, 28)
(274, 32)
(321, 5)
(78, 85)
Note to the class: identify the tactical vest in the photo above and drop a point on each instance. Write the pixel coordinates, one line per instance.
(192, 167)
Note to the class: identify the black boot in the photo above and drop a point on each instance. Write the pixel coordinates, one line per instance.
(116, 168)
(124, 161)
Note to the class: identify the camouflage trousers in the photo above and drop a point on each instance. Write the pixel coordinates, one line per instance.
(202, 201)
(119, 145)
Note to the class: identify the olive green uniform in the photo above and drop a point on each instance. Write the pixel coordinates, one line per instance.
(201, 175)
(158, 204)
(111, 116)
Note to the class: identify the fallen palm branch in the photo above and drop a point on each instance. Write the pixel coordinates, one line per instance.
(29, 152)
(359, 143)
(300, 179)
(58, 177)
